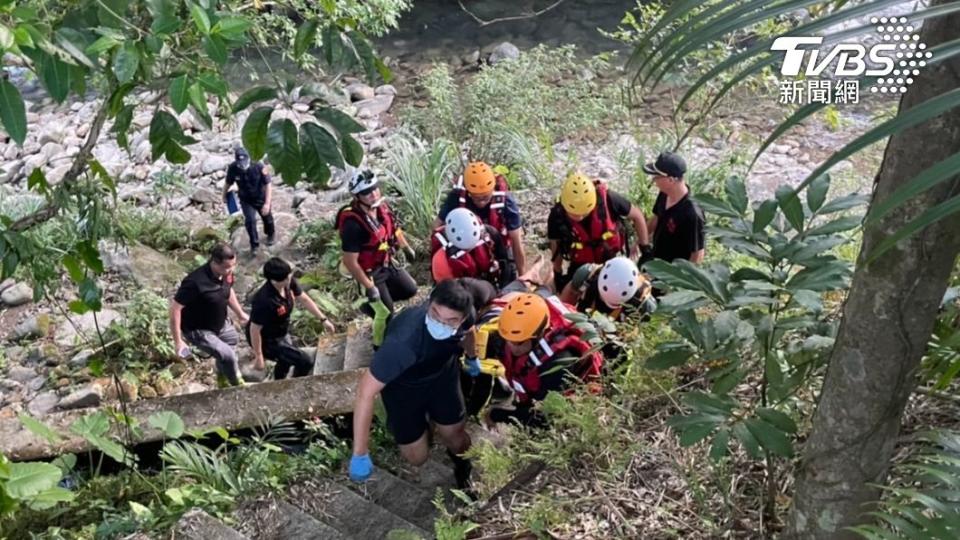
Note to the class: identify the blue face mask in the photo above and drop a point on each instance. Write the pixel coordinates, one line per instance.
(438, 330)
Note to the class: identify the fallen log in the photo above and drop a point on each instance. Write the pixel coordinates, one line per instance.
(231, 408)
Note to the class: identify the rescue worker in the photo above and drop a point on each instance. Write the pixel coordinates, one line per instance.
(465, 247)
(255, 194)
(198, 314)
(586, 226)
(268, 329)
(416, 373)
(369, 237)
(540, 351)
(612, 288)
(487, 195)
(677, 222)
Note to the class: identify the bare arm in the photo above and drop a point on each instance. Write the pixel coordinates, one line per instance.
(367, 390)
(652, 223)
(237, 308)
(697, 256)
(516, 241)
(268, 199)
(570, 294)
(351, 261)
(256, 343)
(639, 225)
(312, 308)
(175, 312)
(555, 256)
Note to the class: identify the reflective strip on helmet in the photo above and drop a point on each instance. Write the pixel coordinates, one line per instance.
(458, 254)
(546, 348)
(442, 239)
(533, 358)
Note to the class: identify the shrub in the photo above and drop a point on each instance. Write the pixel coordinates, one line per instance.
(544, 96)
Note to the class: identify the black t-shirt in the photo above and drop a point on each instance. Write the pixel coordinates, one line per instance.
(205, 297)
(353, 236)
(679, 233)
(558, 224)
(251, 183)
(409, 356)
(511, 211)
(272, 311)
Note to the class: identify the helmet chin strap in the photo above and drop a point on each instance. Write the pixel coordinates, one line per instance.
(608, 304)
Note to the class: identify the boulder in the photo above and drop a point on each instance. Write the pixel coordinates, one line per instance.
(21, 374)
(374, 106)
(43, 403)
(360, 91)
(385, 90)
(56, 174)
(11, 152)
(471, 59)
(88, 396)
(287, 225)
(17, 295)
(214, 163)
(82, 328)
(81, 359)
(54, 134)
(144, 265)
(204, 195)
(6, 284)
(503, 51)
(36, 326)
(52, 150)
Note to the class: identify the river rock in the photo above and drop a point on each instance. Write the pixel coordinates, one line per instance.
(17, 295)
(43, 403)
(203, 195)
(287, 225)
(10, 171)
(360, 91)
(21, 374)
(82, 328)
(385, 90)
(88, 396)
(33, 327)
(215, 163)
(11, 152)
(55, 176)
(53, 134)
(144, 265)
(503, 51)
(52, 150)
(374, 106)
(471, 58)
(6, 284)
(81, 359)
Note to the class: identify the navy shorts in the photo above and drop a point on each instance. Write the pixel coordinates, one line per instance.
(411, 408)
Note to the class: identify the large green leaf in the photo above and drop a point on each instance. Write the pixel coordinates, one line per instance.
(29, 479)
(306, 37)
(340, 121)
(126, 61)
(198, 100)
(825, 278)
(56, 77)
(817, 192)
(200, 18)
(790, 204)
(770, 438)
(844, 203)
(764, 215)
(12, 112)
(164, 13)
(168, 422)
(6, 37)
(837, 225)
(709, 404)
(778, 419)
(715, 205)
(121, 126)
(254, 95)
(319, 149)
(216, 48)
(232, 28)
(668, 358)
(167, 137)
(736, 193)
(254, 133)
(112, 12)
(49, 498)
(352, 151)
(178, 93)
(284, 150)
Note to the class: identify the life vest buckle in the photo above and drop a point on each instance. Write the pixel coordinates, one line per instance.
(384, 246)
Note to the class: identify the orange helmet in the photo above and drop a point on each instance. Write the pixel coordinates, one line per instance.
(478, 178)
(525, 317)
(440, 266)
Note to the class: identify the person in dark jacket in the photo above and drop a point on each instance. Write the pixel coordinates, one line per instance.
(255, 194)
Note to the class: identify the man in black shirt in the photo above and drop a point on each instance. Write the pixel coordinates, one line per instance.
(417, 373)
(198, 313)
(270, 311)
(255, 193)
(677, 222)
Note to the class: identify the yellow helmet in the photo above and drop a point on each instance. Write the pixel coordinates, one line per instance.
(578, 194)
(479, 179)
(525, 317)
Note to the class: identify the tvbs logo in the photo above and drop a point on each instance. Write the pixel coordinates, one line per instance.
(898, 55)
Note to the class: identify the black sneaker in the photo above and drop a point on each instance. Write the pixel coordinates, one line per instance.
(270, 240)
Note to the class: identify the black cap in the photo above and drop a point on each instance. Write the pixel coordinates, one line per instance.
(240, 153)
(667, 164)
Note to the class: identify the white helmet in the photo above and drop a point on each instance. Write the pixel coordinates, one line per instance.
(361, 181)
(618, 282)
(463, 229)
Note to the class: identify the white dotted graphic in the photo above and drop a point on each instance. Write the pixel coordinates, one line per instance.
(911, 54)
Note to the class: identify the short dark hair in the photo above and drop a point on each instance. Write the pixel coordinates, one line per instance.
(450, 293)
(276, 269)
(222, 252)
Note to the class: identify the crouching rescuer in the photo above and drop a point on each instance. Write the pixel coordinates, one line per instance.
(416, 372)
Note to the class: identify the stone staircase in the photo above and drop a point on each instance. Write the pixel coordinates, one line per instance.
(386, 506)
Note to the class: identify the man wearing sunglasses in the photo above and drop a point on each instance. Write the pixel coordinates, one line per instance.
(369, 236)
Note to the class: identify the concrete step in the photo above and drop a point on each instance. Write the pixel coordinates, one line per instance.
(272, 519)
(330, 354)
(411, 502)
(348, 511)
(199, 525)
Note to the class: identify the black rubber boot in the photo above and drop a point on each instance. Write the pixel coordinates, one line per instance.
(461, 473)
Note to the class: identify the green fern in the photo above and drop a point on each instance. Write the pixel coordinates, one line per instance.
(203, 465)
(926, 502)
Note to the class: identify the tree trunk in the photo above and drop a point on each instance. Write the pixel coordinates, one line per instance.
(887, 321)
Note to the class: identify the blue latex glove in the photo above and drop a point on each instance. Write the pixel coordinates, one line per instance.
(473, 366)
(361, 468)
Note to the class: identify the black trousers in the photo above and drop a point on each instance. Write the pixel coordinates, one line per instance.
(286, 355)
(394, 284)
(250, 212)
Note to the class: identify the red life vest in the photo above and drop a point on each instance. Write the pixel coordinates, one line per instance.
(601, 239)
(523, 372)
(382, 234)
(493, 213)
(480, 262)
